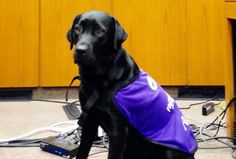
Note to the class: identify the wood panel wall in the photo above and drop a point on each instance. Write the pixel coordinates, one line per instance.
(56, 59)
(19, 39)
(205, 42)
(177, 42)
(157, 37)
(229, 16)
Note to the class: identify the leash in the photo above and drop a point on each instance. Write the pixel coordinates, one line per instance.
(88, 105)
(68, 88)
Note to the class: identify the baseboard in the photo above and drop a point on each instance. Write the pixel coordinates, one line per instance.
(60, 93)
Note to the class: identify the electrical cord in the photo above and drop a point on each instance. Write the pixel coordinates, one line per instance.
(56, 128)
(76, 102)
(22, 143)
(16, 142)
(219, 118)
(50, 101)
(59, 128)
(194, 104)
(223, 113)
(219, 137)
(215, 125)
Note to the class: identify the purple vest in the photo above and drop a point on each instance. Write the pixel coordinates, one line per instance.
(154, 114)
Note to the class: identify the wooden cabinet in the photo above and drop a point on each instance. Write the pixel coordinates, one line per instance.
(56, 59)
(157, 37)
(205, 42)
(229, 58)
(19, 39)
(178, 42)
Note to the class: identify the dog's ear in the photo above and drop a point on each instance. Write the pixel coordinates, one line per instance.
(120, 35)
(68, 36)
(71, 33)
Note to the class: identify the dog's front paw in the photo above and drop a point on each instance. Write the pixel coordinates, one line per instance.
(81, 156)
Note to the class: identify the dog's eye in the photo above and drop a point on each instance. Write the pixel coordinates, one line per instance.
(78, 29)
(100, 31)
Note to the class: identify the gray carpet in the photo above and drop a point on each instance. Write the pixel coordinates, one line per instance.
(20, 117)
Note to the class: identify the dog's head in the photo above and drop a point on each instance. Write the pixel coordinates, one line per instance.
(96, 36)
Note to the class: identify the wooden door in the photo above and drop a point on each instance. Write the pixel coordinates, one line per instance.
(156, 37)
(205, 42)
(56, 17)
(19, 43)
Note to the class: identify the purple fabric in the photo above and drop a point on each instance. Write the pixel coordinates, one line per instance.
(151, 111)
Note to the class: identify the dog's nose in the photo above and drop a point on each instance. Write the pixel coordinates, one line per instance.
(82, 48)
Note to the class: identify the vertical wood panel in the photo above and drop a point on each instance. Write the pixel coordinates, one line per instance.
(204, 38)
(175, 30)
(19, 43)
(157, 37)
(229, 52)
(229, 80)
(56, 66)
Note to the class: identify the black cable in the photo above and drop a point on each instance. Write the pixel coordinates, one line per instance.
(20, 146)
(50, 101)
(68, 88)
(190, 105)
(193, 104)
(223, 113)
(26, 141)
(220, 137)
(219, 140)
(22, 143)
(36, 142)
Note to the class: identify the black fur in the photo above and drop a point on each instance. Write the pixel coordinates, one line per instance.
(104, 65)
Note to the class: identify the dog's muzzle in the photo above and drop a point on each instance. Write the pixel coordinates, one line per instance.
(82, 49)
(83, 53)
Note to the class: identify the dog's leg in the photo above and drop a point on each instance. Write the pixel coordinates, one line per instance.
(118, 137)
(89, 131)
(117, 147)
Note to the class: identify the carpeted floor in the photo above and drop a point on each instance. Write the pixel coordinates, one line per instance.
(19, 117)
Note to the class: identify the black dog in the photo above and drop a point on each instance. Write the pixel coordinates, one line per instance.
(105, 69)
